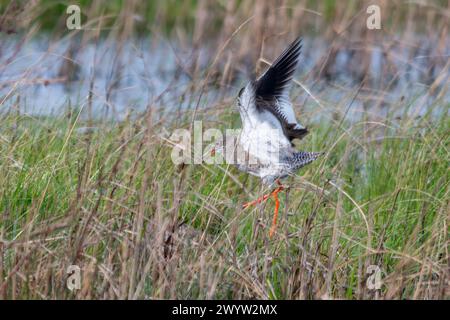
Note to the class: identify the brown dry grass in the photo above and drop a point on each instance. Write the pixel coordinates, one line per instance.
(112, 202)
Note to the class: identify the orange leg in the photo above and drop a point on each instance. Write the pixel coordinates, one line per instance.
(277, 205)
(254, 202)
(275, 213)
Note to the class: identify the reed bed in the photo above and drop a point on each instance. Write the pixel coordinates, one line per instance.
(81, 189)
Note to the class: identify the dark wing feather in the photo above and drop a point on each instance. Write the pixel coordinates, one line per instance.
(270, 90)
(276, 79)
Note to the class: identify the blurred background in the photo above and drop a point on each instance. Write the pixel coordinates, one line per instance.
(173, 54)
(86, 176)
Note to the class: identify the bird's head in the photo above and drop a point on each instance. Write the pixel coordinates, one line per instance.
(217, 148)
(213, 150)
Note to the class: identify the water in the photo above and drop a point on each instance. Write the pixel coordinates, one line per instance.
(118, 83)
(140, 73)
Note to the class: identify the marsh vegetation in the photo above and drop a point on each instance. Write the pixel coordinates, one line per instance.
(86, 176)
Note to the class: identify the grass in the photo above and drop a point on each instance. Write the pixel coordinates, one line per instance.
(112, 202)
(107, 197)
(175, 16)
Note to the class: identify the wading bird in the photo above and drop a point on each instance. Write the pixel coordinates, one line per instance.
(269, 126)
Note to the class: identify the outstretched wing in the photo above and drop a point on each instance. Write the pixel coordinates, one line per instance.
(271, 91)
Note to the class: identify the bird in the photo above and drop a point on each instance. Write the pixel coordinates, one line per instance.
(265, 146)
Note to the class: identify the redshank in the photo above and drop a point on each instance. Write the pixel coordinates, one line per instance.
(269, 126)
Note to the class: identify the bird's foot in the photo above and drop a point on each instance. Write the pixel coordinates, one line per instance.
(274, 193)
(275, 213)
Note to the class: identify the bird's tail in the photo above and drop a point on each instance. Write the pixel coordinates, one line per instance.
(302, 158)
